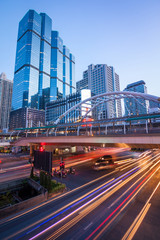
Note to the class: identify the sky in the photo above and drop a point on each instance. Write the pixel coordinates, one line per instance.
(124, 34)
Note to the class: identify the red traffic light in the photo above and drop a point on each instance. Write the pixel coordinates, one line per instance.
(41, 149)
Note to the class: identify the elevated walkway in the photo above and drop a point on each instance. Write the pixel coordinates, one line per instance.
(138, 140)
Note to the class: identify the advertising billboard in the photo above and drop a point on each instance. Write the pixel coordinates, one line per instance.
(85, 93)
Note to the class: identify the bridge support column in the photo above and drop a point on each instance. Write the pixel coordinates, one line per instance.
(124, 128)
(146, 126)
(106, 130)
(78, 131)
(91, 130)
(55, 132)
(47, 132)
(37, 133)
(66, 131)
(26, 133)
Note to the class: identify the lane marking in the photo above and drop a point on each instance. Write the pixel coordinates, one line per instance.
(88, 226)
(137, 222)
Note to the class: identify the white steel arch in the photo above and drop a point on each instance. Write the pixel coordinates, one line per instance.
(106, 97)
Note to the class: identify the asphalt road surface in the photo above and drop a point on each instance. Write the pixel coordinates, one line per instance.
(116, 205)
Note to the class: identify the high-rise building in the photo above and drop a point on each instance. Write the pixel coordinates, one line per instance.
(56, 108)
(83, 83)
(5, 100)
(44, 68)
(100, 79)
(136, 106)
(26, 118)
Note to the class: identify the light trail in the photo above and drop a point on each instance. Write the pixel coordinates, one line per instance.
(82, 199)
(58, 197)
(122, 203)
(140, 160)
(72, 222)
(136, 224)
(121, 177)
(124, 175)
(90, 200)
(51, 200)
(75, 211)
(133, 185)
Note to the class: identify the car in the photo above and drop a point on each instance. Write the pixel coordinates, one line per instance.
(105, 162)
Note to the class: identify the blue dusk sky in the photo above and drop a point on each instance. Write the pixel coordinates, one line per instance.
(124, 34)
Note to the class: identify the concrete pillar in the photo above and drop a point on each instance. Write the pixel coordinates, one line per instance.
(106, 130)
(78, 131)
(146, 126)
(31, 149)
(91, 130)
(26, 133)
(66, 131)
(37, 133)
(124, 128)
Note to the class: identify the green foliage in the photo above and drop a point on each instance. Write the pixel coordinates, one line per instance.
(41, 178)
(49, 184)
(6, 199)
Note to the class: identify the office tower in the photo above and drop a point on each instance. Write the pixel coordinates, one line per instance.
(83, 83)
(44, 68)
(62, 69)
(136, 106)
(42, 64)
(26, 118)
(72, 73)
(100, 79)
(56, 108)
(56, 90)
(5, 101)
(45, 57)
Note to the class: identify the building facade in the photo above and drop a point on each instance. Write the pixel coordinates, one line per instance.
(56, 108)
(139, 106)
(100, 79)
(83, 83)
(5, 101)
(44, 68)
(26, 118)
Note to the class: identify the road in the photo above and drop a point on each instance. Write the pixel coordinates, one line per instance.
(93, 210)
(13, 168)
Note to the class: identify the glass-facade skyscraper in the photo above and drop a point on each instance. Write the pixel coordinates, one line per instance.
(44, 68)
(133, 106)
(5, 101)
(100, 79)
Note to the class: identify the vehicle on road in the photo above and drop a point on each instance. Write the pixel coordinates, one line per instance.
(105, 162)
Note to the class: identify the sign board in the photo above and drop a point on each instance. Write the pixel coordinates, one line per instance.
(43, 160)
(85, 93)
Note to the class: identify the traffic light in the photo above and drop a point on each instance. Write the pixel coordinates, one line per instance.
(62, 166)
(41, 149)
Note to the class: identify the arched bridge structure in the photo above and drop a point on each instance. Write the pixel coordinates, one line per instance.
(97, 131)
(88, 105)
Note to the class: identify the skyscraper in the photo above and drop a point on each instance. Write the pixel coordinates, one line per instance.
(43, 69)
(5, 100)
(133, 106)
(100, 79)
